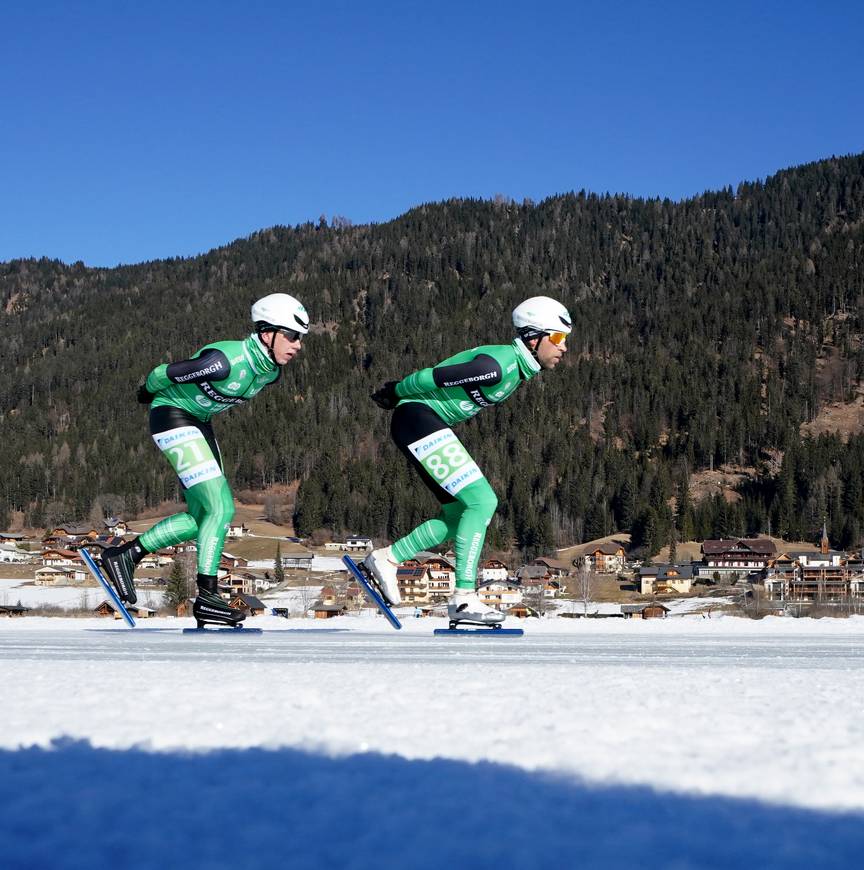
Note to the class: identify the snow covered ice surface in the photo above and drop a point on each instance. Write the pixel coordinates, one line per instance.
(594, 743)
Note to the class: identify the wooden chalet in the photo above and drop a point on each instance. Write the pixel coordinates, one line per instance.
(252, 605)
(115, 526)
(105, 609)
(533, 578)
(230, 561)
(555, 567)
(55, 557)
(605, 558)
(327, 611)
(736, 556)
(665, 579)
(239, 582)
(62, 576)
(653, 610)
(353, 592)
(66, 534)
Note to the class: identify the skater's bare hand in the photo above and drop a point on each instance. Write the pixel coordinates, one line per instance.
(385, 396)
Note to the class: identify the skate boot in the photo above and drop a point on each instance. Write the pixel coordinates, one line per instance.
(466, 606)
(382, 566)
(210, 607)
(119, 564)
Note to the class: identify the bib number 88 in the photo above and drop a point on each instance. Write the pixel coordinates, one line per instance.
(441, 464)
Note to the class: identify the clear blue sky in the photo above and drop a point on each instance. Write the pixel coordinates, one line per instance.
(136, 131)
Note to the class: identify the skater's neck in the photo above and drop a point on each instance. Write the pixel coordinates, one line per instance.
(528, 365)
(259, 356)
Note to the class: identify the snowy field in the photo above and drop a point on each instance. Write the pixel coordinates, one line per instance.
(678, 743)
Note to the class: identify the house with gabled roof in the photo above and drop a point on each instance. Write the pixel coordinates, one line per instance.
(555, 567)
(823, 575)
(61, 576)
(115, 526)
(534, 578)
(58, 558)
(70, 533)
(500, 594)
(413, 580)
(665, 579)
(358, 543)
(736, 556)
(252, 605)
(605, 558)
(493, 570)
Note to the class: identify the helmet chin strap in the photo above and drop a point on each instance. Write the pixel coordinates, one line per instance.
(529, 336)
(269, 347)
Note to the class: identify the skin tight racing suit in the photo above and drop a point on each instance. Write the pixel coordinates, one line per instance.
(433, 400)
(186, 395)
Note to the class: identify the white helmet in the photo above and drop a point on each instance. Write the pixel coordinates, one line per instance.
(281, 311)
(541, 314)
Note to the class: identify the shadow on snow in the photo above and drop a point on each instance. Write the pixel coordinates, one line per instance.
(75, 806)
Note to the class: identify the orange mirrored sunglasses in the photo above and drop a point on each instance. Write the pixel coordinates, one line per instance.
(557, 337)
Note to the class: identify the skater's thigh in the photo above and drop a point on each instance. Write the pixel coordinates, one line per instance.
(435, 451)
(188, 445)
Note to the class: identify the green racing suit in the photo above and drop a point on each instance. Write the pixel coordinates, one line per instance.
(430, 402)
(185, 396)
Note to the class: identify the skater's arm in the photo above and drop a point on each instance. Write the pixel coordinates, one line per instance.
(481, 369)
(210, 364)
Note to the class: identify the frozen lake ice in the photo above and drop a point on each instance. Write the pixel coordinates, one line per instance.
(697, 714)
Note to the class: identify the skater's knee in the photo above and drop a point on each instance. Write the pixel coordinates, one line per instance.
(481, 498)
(223, 511)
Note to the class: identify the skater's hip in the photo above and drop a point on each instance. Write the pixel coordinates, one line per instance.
(165, 417)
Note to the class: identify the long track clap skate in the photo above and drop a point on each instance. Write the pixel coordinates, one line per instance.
(370, 587)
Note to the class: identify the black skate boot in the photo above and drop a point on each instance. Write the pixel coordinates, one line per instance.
(209, 607)
(119, 564)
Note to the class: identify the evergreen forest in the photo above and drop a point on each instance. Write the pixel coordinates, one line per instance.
(706, 332)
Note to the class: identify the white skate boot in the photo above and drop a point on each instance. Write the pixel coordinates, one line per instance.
(466, 606)
(382, 566)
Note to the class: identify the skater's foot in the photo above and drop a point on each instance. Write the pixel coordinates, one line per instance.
(119, 565)
(382, 566)
(209, 607)
(466, 606)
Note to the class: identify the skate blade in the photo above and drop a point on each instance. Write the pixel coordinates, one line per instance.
(223, 629)
(477, 630)
(370, 579)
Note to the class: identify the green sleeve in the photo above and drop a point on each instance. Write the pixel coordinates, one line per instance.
(158, 379)
(418, 383)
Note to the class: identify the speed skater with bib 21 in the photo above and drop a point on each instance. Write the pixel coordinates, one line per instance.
(183, 397)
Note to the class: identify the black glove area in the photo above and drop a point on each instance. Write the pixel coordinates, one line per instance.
(385, 396)
(145, 397)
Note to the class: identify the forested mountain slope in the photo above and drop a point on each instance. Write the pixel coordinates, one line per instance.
(705, 331)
